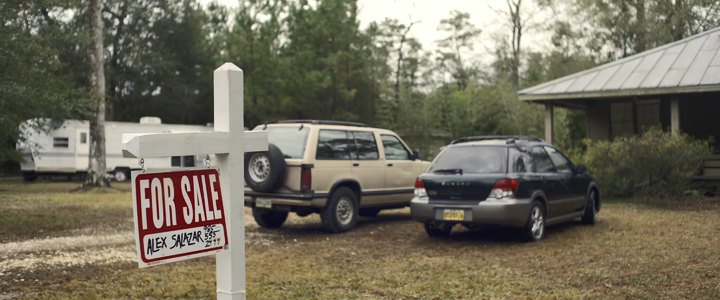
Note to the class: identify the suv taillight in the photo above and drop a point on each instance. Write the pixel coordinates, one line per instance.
(420, 188)
(505, 188)
(306, 178)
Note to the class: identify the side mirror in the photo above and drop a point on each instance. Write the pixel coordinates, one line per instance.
(580, 169)
(416, 154)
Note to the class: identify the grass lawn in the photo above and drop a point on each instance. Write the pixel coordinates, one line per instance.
(55, 243)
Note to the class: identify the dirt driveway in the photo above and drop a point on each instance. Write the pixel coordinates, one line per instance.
(635, 250)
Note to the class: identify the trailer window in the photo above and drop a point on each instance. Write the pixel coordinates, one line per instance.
(61, 142)
(187, 161)
(83, 138)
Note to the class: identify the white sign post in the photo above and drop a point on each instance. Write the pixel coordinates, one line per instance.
(229, 142)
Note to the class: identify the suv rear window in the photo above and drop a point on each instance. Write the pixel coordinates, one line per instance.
(290, 140)
(472, 159)
(346, 145)
(334, 145)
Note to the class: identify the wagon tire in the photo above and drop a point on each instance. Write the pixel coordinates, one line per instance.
(268, 218)
(265, 171)
(590, 209)
(438, 229)
(535, 226)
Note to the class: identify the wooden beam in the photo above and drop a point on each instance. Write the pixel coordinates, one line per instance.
(674, 115)
(549, 122)
(600, 95)
(150, 145)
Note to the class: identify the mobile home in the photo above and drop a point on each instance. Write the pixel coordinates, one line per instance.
(62, 147)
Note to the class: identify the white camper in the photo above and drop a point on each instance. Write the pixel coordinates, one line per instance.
(64, 147)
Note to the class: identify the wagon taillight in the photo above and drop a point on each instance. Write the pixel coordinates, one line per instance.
(505, 188)
(306, 178)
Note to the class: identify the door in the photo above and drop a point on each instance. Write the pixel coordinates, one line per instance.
(553, 184)
(332, 159)
(400, 173)
(82, 149)
(367, 167)
(575, 198)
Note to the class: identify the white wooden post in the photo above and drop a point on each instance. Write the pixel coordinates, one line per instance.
(229, 142)
(549, 123)
(674, 115)
(230, 265)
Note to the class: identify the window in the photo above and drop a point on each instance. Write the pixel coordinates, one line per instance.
(334, 145)
(561, 163)
(366, 147)
(472, 159)
(61, 142)
(83, 138)
(175, 161)
(520, 161)
(648, 114)
(541, 161)
(394, 149)
(187, 161)
(621, 119)
(290, 140)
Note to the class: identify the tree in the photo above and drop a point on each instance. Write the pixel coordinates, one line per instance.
(632, 26)
(516, 39)
(96, 166)
(330, 63)
(34, 83)
(398, 57)
(159, 56)
(461, 37)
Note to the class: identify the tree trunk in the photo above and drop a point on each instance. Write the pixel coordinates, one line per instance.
(516, 39)
(641, 43)
(96, 163)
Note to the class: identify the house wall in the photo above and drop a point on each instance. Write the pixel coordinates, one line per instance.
(598, 121)
(700, 115)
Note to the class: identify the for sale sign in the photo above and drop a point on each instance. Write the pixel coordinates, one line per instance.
(178, 215)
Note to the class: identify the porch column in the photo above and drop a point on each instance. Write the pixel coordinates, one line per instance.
(549, 122)
(674, 115)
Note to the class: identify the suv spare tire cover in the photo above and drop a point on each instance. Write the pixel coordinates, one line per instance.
(265, 171)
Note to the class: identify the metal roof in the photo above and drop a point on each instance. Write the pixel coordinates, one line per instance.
(686, 66)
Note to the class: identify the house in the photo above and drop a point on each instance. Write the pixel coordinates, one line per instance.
(675, 86)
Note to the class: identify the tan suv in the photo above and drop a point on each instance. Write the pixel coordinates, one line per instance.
(340, 170)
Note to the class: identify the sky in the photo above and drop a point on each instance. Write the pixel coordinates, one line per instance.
(485, 14)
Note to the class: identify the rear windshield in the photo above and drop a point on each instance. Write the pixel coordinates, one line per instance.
(472, 159)
(290, 140)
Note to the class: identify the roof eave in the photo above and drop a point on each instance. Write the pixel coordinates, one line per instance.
(621, 93)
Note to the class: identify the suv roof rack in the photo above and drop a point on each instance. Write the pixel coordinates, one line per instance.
(324, 122)
(509, 138)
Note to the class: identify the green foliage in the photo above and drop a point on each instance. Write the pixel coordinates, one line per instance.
(310, 60)
(632, 26)
(33, 81)
(655, 164)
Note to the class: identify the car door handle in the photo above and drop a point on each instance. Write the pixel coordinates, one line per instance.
(355, 164)
(390, 165)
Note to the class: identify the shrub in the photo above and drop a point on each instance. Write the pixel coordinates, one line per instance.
(655, 164)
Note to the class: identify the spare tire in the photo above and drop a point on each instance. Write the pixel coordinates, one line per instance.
(265, 171)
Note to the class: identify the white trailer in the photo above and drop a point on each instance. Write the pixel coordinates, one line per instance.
(63, 148)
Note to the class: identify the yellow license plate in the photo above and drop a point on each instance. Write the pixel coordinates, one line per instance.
(453, 215)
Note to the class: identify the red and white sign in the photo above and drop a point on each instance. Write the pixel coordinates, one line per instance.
(178, 215)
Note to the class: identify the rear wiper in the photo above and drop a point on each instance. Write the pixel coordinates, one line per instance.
(454, 171)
